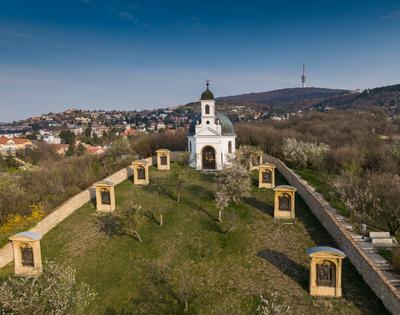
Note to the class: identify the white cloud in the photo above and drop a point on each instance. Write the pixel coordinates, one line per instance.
(127, 16)
(392, 15)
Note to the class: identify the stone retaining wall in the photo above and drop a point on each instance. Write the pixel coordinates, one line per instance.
(374, 277)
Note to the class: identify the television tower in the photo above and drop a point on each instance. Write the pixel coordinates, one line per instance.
(303, 77)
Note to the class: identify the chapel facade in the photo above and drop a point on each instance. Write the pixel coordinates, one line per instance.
(211, 137)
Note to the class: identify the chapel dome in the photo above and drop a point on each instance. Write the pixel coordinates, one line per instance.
(207, 95)
(227, 128)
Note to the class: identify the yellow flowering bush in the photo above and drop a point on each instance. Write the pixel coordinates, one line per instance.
(18, 222)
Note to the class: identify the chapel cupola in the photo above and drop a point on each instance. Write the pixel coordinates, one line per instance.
(207, 102)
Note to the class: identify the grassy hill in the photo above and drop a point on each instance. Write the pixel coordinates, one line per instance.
(226, 272)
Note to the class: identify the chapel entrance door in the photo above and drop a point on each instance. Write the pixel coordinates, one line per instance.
(208, 157)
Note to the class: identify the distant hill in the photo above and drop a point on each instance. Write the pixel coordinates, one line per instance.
(285, 97)
(312, 98)
(386, 97)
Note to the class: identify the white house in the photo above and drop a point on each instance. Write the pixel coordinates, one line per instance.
(211, 137)
(51, 139)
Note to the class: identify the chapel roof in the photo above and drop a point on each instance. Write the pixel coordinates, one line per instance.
(227, 128)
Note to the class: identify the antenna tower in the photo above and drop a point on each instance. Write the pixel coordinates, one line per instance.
(303, 77)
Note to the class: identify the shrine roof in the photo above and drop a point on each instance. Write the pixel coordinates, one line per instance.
(28, 235)
(325, 249)
(106, 182)
(284, 187)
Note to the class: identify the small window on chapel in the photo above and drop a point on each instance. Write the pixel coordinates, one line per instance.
(207, 109)
(230, 147)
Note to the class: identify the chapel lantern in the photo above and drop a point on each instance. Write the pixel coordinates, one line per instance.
(163, 159)
(105, 196)
(266, 176)
(140, 172)
(326, 271)
(27, 255)
(284, 205)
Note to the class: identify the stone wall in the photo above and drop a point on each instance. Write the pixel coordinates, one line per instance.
(373, 276)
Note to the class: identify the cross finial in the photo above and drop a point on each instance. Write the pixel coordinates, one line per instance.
(207, 83)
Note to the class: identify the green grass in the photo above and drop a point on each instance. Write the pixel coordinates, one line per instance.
(228, 271)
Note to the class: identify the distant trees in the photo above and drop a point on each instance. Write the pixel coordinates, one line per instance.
(56, 291)
(358, 149)
(42, 153)
(146, 145)
(50, 185)
(12, 198)
(121, 146)
(80, 149)
(67, 136)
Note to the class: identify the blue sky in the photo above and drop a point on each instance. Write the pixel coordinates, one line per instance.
(122, 54)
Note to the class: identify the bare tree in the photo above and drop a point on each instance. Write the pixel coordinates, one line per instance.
(245, 155)
(124, 221)
(370, 197)
(178, 175)
(163, 293)
(178, 178)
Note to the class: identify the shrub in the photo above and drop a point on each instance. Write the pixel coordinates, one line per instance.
(304, 154)
(12, 198)
(273, 305)
(56, 291)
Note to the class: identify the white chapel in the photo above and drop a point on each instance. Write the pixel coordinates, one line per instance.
(211, 137)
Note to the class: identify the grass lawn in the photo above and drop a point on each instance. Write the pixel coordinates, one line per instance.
(227, 271)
